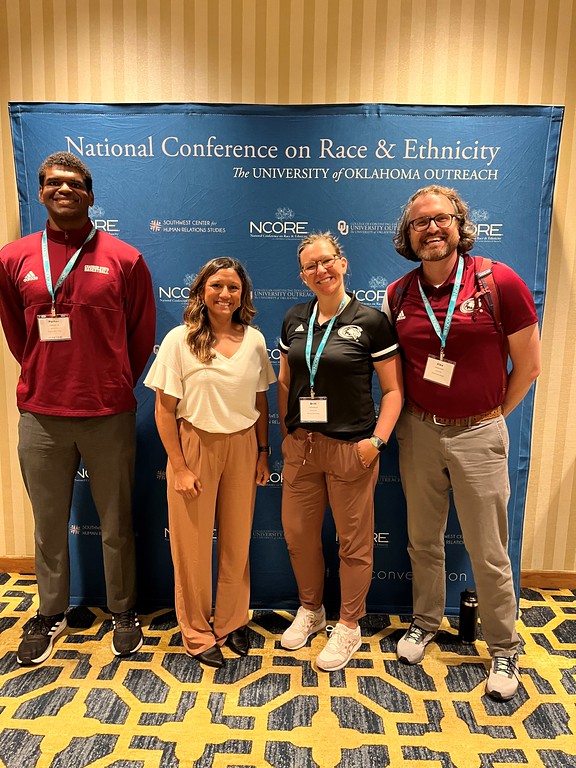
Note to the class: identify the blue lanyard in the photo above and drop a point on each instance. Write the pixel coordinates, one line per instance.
(443, 334)
(67, 269)
(314, 366)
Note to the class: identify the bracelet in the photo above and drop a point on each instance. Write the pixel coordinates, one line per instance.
(264, 449)
(378, 443)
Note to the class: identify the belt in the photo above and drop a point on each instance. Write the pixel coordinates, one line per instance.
(465, 421)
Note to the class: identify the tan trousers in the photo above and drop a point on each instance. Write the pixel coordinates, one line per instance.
(331, 473)
(226, 466)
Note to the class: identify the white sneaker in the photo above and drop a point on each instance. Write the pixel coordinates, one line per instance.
(502, 682)
(305, 624)
(339, 649)
(412, 645)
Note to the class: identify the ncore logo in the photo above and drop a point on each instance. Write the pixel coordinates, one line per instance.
(278, 229)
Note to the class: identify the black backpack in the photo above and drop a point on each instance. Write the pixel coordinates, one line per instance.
(485, 285)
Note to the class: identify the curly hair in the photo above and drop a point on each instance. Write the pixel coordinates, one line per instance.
(65, 160)
(466, 229)
(200, 337)
(332, 239)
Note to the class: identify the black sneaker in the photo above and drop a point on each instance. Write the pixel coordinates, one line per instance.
(36, 643)
(127, 635)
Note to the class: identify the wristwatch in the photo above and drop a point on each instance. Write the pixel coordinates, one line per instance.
(377, 442)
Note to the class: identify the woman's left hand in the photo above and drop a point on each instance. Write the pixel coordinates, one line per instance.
(262, 471)
(367, 452)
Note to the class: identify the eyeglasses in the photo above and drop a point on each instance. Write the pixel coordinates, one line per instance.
(327, 262)
(442, 220)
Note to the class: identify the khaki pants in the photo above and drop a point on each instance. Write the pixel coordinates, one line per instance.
(473, 461)
(226, 466)
(332, 473)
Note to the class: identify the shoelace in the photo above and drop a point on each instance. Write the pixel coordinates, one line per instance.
(41, 625)
(506, 665)
(339, 637)
(415, 634)
(125, 620)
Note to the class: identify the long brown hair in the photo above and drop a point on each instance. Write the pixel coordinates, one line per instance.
(200, 337)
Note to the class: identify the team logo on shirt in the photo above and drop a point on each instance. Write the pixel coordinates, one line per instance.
(300, 329)
(96, 268)
(350, 332)
(467, 307)
(30, 276)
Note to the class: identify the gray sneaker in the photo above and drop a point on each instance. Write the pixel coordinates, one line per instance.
(502, 682)
(412, 644)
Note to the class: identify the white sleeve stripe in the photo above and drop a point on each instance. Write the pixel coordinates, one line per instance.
(282, 346)
(384, 352)
(386, 307)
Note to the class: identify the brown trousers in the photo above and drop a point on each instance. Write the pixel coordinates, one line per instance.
(331, 473)
(226, 466)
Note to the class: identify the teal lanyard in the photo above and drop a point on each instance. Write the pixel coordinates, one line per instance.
(313, 366)
(67, 269)
(443, 333)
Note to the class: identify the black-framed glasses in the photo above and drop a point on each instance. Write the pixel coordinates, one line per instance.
(326, 262)
(442, 220)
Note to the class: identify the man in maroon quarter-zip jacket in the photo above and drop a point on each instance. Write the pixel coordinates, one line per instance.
(77, 308)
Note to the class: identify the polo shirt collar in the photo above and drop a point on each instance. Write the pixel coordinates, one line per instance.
(448, 283)
(347, 312)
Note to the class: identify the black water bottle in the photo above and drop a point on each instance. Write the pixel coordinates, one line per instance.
(468, 624)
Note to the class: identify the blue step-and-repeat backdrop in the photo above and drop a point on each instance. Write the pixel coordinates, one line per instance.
(188, 182)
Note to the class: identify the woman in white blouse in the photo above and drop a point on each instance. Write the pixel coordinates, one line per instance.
(211, 376)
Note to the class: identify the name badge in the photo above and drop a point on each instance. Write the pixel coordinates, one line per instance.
(54, 327)
(439, 371)
(313, 410)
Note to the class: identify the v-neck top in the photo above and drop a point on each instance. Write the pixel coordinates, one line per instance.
(218, 396)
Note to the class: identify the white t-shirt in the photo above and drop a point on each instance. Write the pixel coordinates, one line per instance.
(219, 396)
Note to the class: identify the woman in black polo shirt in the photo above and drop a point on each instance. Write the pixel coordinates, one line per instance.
(330, 347)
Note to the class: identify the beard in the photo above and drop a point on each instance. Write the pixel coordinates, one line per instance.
(439, 249)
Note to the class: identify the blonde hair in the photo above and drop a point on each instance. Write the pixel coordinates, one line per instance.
(332, 239)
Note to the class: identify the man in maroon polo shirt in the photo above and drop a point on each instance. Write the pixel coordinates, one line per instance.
(77, 308)
(452, 432)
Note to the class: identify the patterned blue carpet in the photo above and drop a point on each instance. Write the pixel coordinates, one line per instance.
(160, 708)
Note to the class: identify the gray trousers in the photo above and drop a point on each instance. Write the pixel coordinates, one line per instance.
(473, 461)
(49, 449)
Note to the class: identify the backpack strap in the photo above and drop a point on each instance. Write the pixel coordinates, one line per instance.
(487, 289)
(396, 298)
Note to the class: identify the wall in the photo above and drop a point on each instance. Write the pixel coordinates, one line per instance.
(317, 51)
